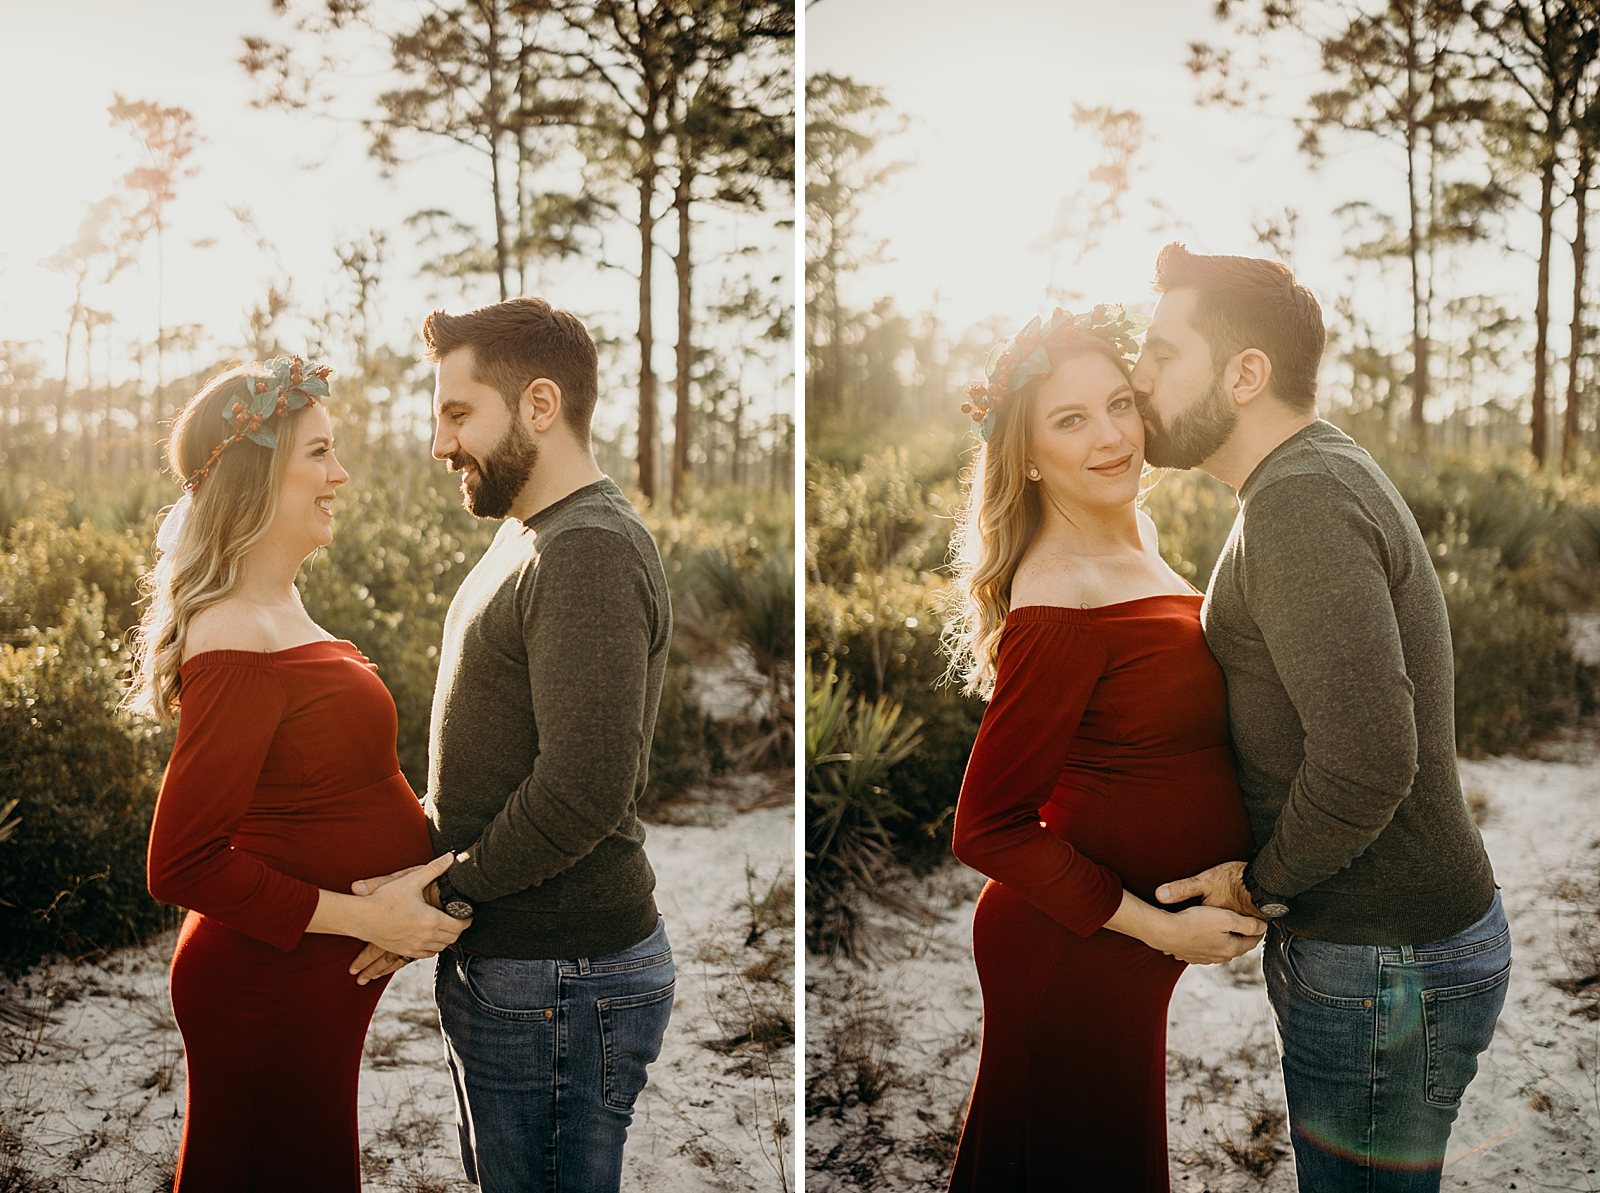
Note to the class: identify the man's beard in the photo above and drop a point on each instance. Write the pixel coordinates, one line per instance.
(1196, 434)
(501, 474)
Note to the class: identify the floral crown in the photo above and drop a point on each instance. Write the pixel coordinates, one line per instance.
(1015, 362)
(287, 385)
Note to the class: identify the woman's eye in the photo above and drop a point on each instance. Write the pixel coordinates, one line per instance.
(1071, 421)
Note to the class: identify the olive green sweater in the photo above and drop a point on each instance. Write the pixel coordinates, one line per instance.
(550, 676)
(1326, 616)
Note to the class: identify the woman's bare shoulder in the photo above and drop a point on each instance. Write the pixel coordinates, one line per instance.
(1043, 578)
(230, 625)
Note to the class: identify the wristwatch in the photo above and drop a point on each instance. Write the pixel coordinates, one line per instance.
(451, 901)
(1269, 905)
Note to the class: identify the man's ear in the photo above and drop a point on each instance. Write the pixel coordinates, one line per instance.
(541, 404)
(1248, 376)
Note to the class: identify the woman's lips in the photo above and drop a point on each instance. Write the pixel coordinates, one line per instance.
(1115, 468)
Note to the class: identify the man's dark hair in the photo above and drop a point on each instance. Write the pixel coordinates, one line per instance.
(1245, 302)
(515, 342)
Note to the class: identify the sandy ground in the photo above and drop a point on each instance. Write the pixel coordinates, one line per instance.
(92, 1097)
(892, 1046)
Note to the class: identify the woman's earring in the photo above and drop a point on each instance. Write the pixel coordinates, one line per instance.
(1033, 474)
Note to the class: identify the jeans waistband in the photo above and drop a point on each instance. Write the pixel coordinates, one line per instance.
(652, 950)
(1486, 933)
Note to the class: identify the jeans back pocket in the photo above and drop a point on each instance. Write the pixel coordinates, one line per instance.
(631, 1031)
(1460, 1023)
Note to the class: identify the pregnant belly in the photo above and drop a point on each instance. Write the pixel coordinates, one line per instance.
(332, 840)
(1152, 819)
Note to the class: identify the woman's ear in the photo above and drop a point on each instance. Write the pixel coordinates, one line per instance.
(541, 404)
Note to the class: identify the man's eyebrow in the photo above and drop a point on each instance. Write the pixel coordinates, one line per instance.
(450, 405)
(1155, 340)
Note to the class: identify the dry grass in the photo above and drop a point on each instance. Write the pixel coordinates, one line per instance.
(755, 1011)
(853, 1061)
(1239, 1106)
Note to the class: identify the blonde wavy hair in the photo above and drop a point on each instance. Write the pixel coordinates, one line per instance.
(996, 525)
(233, 506)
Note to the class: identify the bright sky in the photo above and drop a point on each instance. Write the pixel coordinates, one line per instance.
(991, 89)
(307, 183)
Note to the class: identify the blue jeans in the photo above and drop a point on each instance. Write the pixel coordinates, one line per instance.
(547, 1058)
(1379, 1043)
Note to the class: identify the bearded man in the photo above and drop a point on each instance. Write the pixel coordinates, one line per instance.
(1388, 954)
(556, 998)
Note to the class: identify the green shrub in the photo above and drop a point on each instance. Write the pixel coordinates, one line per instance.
(755, 608)
(72, 874)
(852, 746)
(876, 546)
(687, 749)
(1515, 676)
(53, 554)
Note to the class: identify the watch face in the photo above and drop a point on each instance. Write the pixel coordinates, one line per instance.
(460, 909)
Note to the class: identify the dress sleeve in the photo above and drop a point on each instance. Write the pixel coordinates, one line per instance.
(1046, 673)
(229, 716)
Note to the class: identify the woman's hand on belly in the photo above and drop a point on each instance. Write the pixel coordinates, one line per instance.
(397, 918)
(1211, 935)
(1197, 935)
(372, 963)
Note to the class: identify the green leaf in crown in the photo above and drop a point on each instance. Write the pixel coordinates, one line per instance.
(262, 436)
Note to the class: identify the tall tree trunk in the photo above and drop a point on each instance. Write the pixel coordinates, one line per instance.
(1580, 245)
(495, 106)
(502, 264)
(91, 431)
(1419, 334)
(647, 378)
(59, 437)
(1539, 429)
(680, 426)
(833, 369)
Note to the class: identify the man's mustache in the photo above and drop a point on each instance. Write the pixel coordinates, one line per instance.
(459, 461)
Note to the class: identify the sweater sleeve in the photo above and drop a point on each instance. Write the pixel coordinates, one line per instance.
(1046, 673)
(1317, 585)
(229, 716)
(587, 626)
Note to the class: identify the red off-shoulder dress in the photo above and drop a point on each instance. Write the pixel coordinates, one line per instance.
(1103, 763)
(283, 780)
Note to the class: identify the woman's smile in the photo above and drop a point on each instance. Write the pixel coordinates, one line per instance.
(1115, 467)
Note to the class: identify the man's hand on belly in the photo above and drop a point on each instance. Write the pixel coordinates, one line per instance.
(1220, 886)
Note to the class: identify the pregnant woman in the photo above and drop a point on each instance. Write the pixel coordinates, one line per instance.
(1101, 770)
(282, 790)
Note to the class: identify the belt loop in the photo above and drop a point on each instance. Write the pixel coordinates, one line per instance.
(583, 965)
(1406, 957)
